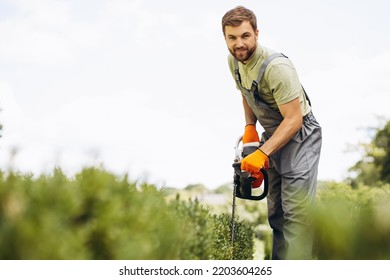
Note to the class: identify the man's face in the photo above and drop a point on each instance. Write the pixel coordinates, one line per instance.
(241, 40)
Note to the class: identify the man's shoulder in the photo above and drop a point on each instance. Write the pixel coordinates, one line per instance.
(264, 51)
(263, 54)
(277, 64)
(267, 52)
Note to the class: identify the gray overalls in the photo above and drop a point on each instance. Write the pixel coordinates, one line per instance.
(292, 175)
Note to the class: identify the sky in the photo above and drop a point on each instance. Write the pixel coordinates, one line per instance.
(143, 87)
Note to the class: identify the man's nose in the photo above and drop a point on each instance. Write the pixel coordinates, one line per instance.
(239, 43)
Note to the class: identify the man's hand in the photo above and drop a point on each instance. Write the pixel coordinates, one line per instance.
(254, 162)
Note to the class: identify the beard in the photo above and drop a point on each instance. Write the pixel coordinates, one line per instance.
(243, 54)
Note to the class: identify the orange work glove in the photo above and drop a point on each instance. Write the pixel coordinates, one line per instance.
(250, 134)
(250, 140)
(254, 162)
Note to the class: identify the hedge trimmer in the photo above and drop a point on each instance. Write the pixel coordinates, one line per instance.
(242, 181)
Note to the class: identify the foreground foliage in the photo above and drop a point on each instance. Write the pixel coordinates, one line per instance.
(352, 223)
(97, 215)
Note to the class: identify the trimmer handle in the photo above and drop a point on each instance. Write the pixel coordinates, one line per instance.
(243, 180)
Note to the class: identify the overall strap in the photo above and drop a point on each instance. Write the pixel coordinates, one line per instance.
(263, 67)
(256, 82)
(262, 70)
(271, 57)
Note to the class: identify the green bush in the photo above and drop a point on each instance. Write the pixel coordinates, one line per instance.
(255, 216)
(243, 248)
(97, 215)
(94, 216)
(196, 226)
(352, 223)
(208, 236)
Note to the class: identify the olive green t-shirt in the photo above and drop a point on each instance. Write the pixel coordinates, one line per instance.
(280, 83)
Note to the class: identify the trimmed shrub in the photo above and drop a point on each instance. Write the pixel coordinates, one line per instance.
(97, 215)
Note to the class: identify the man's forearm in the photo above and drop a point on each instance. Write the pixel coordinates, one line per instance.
(291, 124)
(286, 130)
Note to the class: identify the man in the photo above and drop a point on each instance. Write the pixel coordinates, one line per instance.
(273, 95)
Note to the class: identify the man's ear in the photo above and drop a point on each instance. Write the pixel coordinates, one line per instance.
(257, 34)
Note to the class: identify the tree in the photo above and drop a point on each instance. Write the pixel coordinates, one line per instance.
(374, 168)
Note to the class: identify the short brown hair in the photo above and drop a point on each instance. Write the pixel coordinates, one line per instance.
(238, 15)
